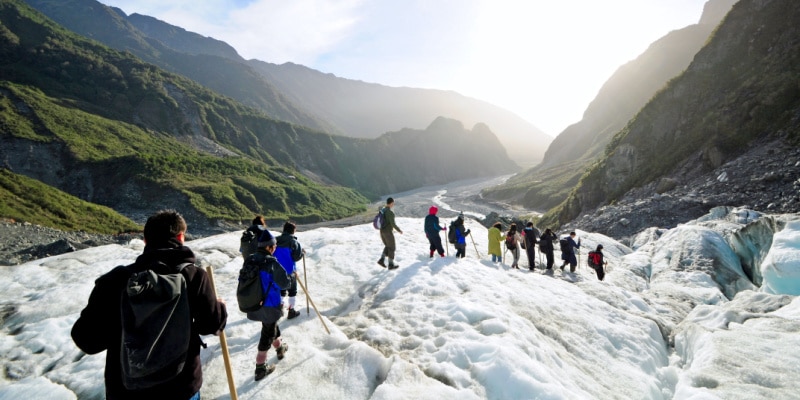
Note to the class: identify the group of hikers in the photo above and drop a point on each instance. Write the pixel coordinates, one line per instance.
(148, 316)
(514, 239)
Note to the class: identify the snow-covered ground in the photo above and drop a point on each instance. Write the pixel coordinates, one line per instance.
(676, 318)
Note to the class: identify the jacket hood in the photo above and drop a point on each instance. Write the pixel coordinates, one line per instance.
(433, 210)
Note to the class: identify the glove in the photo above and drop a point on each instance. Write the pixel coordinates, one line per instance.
(467, 232)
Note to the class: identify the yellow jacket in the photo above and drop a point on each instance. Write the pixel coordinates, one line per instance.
(495, 237)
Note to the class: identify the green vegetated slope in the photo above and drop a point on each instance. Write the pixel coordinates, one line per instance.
(625, 93)
(28, 200)
(108, 119)
(741, 88)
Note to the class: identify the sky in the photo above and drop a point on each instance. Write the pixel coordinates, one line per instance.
(543, 60)
(462, 329)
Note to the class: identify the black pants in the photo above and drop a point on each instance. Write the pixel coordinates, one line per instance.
(530, 251)
(550, 258)
(461, 250)
(292, 291)
(269, 332)
(600, 273)
(436, 243)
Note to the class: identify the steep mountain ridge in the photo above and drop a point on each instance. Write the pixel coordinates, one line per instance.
(625, 93)
(739, 93)
(80, 116)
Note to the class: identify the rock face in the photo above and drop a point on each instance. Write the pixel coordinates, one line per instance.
(765, 178)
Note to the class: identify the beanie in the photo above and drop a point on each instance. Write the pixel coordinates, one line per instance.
(265, 239)
(433, 210)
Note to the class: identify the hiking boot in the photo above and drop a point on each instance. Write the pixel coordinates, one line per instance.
(393, 266)
(262, 370)
(281, 350)
(292, 313)
(381, 263)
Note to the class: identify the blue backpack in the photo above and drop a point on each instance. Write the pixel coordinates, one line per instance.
(379, 221)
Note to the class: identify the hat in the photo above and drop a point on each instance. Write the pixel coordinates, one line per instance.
(433, 210)
(265, 239)
(599, 246)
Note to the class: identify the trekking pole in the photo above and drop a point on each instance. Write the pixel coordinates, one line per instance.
(308, 296)
(447, 245)
(476, 246)
(305, 278)
(223, 343)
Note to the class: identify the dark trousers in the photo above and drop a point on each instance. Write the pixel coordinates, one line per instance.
(530, 251)
(387, 236)
(436, 243)
(461, 250)
(269, 332)
(292, 291)
(600, 273)
(551, 259)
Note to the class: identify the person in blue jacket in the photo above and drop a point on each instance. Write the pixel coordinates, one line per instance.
(432, 229)
(568, 253)
(274, 279)
(461, 236)
(288, 253)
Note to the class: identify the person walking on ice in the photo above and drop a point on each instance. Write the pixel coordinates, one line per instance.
(274, 279)
(461, 236)
(529, 236)
(597, 261)
(432, 229)
(387, 236)
(288, 252)
(495, 237)
(568, 247)
(546, 247)
(512, 243)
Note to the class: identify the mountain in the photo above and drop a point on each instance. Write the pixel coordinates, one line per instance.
(366, 110)
(110, 129)
(738, 94)
(625, 93)
(210, 62)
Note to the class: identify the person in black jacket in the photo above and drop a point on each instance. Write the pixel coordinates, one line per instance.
(546, 247)
(99, 326)
(530, 235)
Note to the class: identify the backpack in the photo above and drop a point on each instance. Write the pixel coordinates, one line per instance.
(564, 245)
(248, 244)
(379, 221)
(510, 243)
(451, 235)
(156, 326)
(249, 292)
(594, 258)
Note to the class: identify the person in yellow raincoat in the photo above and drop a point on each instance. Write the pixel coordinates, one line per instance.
(495, 237)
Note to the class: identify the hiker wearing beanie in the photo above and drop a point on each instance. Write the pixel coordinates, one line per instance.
(461, 236)
(432, 229)
(387, 235)
(495, 237)
(274, 279)
(288, 253)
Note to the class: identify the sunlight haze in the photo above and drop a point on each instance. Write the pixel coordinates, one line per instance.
(543, 60)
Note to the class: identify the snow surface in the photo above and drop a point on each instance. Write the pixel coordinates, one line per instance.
(677, 318)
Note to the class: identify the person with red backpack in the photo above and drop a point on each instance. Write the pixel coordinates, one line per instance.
(597, 262)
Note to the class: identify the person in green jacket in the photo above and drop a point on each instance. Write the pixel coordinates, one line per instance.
(387, 235)
(495, 237)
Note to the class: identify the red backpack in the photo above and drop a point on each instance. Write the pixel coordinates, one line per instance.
(595, 258)
(510, 243)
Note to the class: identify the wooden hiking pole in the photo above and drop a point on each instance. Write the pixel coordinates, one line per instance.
(305, 278)
(476, 246)
(223, 343)
(315, 307)
(447, 243)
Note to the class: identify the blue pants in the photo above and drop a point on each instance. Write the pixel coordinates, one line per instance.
(496, 258)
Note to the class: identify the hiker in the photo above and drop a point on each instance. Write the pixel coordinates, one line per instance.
(495, 237)
(100, 325)
(512, 243)
(387, 235)
(461, 236)
(248, 242)
(568, 247)
(529, 236)
(597, 261)
(546, 247)
(288, 253)
(432, 229)
(274, 280)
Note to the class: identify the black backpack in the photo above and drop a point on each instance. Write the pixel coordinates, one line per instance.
(564, 245)
(249, 291)
(248, 244)
(156, 327)
(451, 236)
